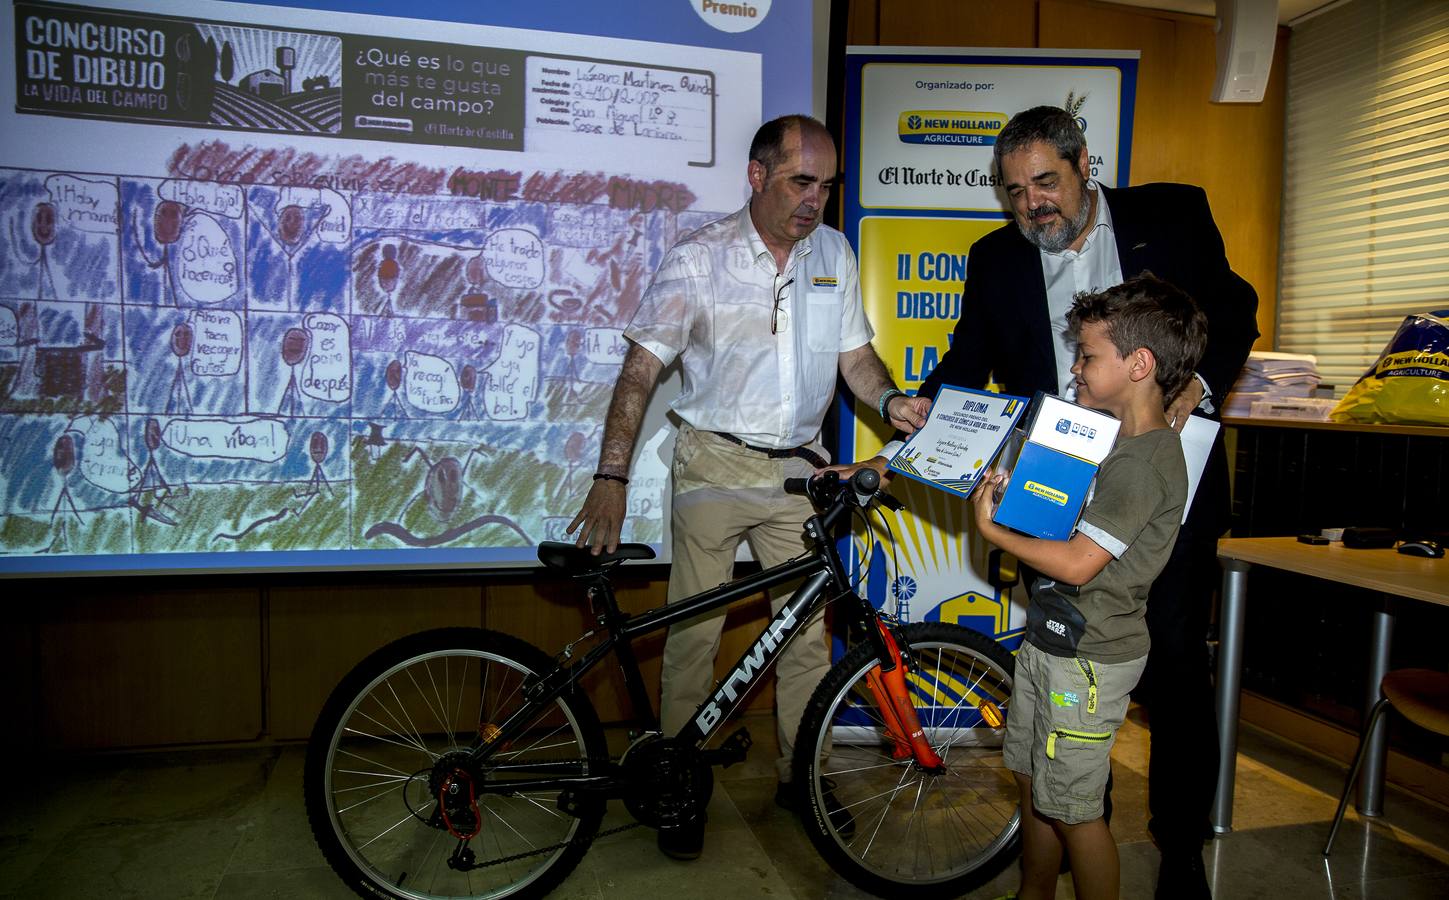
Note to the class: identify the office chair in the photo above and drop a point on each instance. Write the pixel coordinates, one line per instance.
(1422, 697)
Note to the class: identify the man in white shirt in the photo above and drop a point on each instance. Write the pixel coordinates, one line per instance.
(763, 310)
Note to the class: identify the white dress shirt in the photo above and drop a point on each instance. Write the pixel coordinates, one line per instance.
(1093, 268)
(710, 305)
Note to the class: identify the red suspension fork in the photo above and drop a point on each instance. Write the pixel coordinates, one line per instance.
(893, 699)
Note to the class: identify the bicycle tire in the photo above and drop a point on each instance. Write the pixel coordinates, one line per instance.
(383, 729)
(911, 832)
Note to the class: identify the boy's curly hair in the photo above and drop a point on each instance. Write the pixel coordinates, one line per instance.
(1148, 312)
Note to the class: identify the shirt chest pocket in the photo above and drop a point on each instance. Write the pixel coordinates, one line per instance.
(822, 321)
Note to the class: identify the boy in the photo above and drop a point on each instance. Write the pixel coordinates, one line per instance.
(1086, 635)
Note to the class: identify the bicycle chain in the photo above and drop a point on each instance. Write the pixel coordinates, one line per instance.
(549, 849)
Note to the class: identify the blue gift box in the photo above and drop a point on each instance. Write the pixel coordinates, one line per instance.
(1054, 470)
(1046, 493)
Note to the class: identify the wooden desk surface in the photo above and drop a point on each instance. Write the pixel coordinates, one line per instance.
(1387, 571)
(1340, 427)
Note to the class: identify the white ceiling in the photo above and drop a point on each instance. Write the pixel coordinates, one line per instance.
(1288, 10)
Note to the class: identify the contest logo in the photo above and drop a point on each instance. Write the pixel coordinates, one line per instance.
(731, 17)
(950, 126)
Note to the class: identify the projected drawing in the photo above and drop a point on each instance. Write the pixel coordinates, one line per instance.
(443, 509)
(151, 495)
(308, 280)
(42, 231)
(294, 351)
(63, 459)
(178, 402)
(297, 238)
(165, 231)
(387, 274)
(60, 233)
(182, 243)
(196, 366)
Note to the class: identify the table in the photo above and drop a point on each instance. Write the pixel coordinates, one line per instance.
(1388, 572)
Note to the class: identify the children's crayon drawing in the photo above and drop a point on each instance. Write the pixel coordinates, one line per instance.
(191, 366)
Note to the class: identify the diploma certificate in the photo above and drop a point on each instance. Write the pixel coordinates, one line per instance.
(964, 431)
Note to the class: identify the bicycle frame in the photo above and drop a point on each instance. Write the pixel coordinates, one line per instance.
(824, 576)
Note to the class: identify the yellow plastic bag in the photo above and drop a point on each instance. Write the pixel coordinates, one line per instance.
(1409, 385)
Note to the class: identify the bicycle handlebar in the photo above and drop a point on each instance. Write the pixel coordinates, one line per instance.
(796, 485)
(826, 489)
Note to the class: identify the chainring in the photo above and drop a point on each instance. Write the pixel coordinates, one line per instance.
(668, 782)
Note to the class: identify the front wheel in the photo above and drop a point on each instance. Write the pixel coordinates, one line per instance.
(891, 827)
(400, 810)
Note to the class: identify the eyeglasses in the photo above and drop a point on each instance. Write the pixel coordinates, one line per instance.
(775, 313)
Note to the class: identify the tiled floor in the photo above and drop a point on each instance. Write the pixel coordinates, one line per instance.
(229, 824)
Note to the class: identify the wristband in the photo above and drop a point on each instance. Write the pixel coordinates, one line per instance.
(605, 476)
(882, 405)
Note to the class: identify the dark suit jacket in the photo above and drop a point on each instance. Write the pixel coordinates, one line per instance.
(1165, 228)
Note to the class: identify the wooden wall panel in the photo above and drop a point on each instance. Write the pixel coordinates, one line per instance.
(957, 23)
(142, 669)
(863, 22)
(19, 662)
(1233, 150)
(318, 633)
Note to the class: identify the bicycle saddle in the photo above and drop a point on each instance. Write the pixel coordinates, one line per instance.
(580, 560)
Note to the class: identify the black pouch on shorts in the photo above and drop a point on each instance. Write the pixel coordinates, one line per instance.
(1053, 622)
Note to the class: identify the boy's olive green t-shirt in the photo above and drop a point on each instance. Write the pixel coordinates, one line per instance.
(1134, 514)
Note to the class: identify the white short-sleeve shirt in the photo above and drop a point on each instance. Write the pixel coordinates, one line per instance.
(710, 306)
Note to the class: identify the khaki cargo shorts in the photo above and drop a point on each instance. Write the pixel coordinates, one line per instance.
(1065, 712)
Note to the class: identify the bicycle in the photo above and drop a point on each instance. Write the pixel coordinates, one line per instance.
(467, 763)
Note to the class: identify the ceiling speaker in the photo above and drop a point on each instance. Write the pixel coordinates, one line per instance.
(1246, 31)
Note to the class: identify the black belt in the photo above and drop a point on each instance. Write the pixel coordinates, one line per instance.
(805, 453)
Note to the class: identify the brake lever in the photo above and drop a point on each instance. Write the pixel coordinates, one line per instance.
(889, 502)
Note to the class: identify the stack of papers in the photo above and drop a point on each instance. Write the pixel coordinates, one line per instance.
(1271, 376)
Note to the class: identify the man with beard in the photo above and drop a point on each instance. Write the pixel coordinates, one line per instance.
(762, 308)
(1072, 235)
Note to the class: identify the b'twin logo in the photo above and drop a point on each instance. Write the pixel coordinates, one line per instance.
(739, 680)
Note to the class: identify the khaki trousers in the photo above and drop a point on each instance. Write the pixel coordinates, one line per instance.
(724, 493)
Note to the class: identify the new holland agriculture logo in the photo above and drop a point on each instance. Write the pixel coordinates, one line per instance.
(950, 126)
(1047, 493)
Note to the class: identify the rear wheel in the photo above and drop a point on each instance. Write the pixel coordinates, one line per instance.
(912, 832)
(392, 740)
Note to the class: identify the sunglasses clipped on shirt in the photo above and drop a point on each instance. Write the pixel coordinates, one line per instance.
(775, 312)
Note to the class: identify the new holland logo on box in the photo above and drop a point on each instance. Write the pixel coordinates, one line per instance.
(1045, 494)
(950, 126)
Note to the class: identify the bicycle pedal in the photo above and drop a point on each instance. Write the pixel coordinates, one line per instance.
(731, 750)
